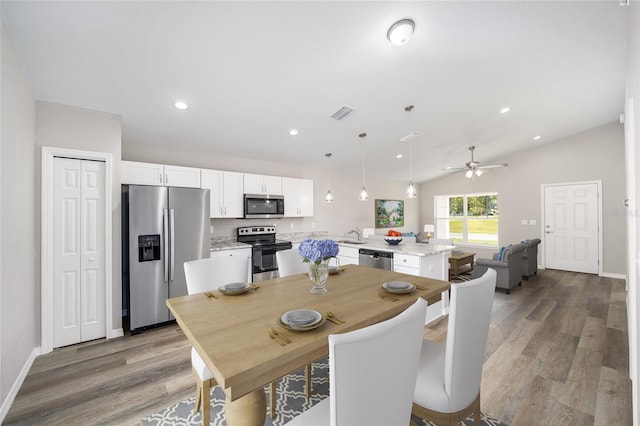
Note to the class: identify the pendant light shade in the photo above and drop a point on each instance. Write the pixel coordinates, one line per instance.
(329, 197)
(411, 188)
(364, 196)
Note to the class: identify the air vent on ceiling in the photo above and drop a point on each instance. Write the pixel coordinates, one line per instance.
(342, 113)
(409, 137)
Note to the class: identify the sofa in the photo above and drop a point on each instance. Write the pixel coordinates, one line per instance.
(507, 263)
(530, 258)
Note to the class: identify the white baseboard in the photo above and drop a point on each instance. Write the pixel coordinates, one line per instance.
(612, 275)
(118, 332)
(13, 392)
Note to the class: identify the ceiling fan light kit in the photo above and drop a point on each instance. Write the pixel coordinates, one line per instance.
(474, 167)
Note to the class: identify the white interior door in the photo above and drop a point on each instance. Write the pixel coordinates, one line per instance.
(79, 254)
(571, 227)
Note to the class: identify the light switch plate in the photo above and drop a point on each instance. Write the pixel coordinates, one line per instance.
(532, 221)
(523, 222)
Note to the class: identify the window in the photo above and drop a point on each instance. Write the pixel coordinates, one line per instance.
(468, 218)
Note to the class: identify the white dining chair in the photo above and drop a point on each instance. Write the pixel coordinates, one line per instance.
(206, 275)
(448, 384)
(372, 373)
(290, 263)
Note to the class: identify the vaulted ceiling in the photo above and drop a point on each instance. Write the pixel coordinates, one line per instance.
(251, 71)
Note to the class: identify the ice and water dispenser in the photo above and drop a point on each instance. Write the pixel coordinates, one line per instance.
(148, 248)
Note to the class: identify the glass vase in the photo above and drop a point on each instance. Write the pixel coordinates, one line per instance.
(318, 273)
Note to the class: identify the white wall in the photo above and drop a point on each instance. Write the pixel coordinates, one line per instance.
(345, 213)
(63, 126)
(632, 124)
(19, 282)
(597, 154)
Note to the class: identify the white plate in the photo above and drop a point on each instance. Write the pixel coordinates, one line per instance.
(398, 287)
(301, 318)
(232, 288)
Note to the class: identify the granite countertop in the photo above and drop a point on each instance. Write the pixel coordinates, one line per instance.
(217, 245)
(405, 247)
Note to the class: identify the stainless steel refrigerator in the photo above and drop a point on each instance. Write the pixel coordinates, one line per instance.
(163, 227)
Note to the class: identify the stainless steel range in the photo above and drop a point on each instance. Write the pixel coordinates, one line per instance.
(265, 245)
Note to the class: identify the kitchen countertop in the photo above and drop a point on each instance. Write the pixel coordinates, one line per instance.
(228, 245)
(405, 247)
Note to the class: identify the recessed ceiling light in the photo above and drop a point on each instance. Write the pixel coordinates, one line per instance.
(401, 32)
(399, 156)
(180, 105)
(505, 110)
(293, 132)
(537, 138)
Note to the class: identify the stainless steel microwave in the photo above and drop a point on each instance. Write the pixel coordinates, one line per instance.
(261, 206)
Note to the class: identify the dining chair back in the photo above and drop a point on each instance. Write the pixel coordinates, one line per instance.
(290, 263)
(452, 396)
(211, 273)
(372, 373)
(205, 275)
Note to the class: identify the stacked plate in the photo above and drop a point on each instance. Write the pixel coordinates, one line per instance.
(233, 289)
(398, 287)
(301, 319)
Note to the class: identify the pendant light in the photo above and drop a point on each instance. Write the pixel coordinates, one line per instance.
(364, 196)
(329, 197)
(411, 188)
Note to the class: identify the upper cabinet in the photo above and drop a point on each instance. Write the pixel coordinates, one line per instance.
(261, 184)
(298, 197)
(226, 192)
(135, 173)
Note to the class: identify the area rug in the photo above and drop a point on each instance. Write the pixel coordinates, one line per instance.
(290, 403)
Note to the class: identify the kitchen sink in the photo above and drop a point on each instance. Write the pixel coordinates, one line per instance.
(351, 242)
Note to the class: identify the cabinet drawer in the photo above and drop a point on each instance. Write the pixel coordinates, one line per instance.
(349, 251)
(406, 270)
(406, 260)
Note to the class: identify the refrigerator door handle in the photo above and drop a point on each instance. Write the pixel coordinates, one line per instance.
(165, 223)
(173, 228)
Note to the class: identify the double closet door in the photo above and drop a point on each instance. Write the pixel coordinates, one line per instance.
(79, 251)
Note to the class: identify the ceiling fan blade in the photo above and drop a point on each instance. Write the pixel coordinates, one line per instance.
(454, 169)
(494, 166)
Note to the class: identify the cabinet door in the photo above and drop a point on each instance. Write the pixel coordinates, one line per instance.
(406, 270)
(253, 184)
(305, 197)
(135, 173)
(273, 185)
(212, 180)
(232, 194)
(298, 197)
(186, 177)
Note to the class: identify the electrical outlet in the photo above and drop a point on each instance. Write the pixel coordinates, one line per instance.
(532, 221)
(291, 226)
(211, 229)
(313, 225)
(524, 222)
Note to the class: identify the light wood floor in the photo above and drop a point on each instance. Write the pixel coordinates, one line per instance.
(557, 355)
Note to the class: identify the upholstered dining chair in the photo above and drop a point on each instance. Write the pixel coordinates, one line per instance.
(372, 373)
(448, 383)
(205, 275)
(290, 263)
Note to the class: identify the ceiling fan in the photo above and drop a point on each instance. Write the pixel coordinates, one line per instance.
(474, 167)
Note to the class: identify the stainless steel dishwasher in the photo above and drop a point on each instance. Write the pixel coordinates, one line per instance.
(376, 259)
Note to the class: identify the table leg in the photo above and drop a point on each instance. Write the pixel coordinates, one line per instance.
(250, 410)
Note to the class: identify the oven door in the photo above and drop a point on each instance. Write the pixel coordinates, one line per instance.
(258, 206)
(265, 265)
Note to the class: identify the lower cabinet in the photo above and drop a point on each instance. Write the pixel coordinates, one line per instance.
(348, 255)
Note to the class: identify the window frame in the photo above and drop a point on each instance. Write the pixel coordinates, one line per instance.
(440, 221)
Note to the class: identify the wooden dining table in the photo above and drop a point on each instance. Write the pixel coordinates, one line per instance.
(231, 333)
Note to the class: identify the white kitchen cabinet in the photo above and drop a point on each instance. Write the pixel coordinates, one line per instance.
(298, 197)
(137, 173)
(424, 266)
(262, 184)
(244, 252)
(226, 190)
(348, 255)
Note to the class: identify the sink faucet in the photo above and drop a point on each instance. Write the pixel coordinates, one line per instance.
(355, 231)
